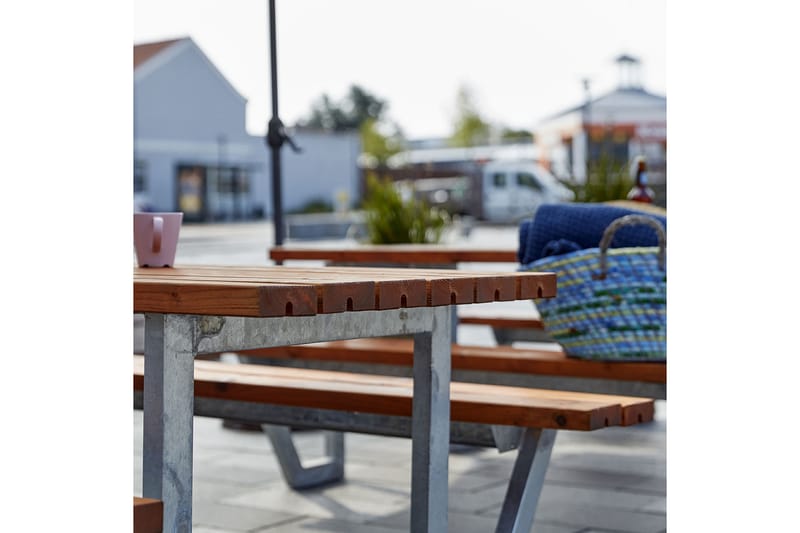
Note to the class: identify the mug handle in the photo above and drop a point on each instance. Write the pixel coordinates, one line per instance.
(158, 230)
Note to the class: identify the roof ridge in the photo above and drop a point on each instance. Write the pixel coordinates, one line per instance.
(144, 51)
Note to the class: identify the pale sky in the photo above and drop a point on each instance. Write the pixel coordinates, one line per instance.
(523, 59)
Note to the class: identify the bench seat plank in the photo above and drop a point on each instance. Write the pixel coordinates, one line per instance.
(501, 321)
(399, 352)
(389, 395)
(148, 515)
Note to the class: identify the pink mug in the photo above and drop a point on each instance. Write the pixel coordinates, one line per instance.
(155, 237)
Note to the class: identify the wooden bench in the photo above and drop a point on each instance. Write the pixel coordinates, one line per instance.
(510, 329)
(148, 515)
(505, 417)
(501, 365)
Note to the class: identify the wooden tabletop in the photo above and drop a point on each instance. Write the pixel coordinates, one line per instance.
(406, 254)
(297, 291)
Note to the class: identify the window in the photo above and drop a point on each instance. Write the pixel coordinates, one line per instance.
(225, 182)
(525, 179)
(242, 180)
(229, 180)
(139, 182)
(499, 180)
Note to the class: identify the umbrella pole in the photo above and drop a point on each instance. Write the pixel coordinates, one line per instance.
(275, 134)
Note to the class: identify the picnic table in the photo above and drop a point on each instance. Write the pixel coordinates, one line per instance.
(192, 310)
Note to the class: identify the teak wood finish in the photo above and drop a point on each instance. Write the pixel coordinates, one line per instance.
(147, 515)
(288, 291)
(405, 254)
(492, 358)
(388, 395)
(502, 322)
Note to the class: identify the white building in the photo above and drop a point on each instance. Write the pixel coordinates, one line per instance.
(192, 152)
(623, 123)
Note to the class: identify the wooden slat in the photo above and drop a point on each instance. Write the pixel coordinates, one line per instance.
(489, 404)
(483, 358)
(148, 515)
(397, 253)
(502, 322)
(223, 298)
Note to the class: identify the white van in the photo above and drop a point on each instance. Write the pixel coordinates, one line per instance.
(513, 190)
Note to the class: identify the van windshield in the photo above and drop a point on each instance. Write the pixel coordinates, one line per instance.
(525, 179)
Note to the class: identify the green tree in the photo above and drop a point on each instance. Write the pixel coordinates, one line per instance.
(469, 127)
(379, 145)
(363, 111)
(510, 134)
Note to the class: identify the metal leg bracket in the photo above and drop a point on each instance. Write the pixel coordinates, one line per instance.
(322, 471)
(527, 478)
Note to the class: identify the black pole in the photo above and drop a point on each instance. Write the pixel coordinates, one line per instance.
(587, 126)
(274, 137)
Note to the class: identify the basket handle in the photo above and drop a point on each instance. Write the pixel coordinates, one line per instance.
(629, 220)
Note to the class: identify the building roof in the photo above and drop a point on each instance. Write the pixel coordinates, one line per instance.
(143, 52)
(610, 96)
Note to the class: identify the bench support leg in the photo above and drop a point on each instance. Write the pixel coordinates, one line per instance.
(167, 419)
(322, 471)
(527, 478)
(431, 425)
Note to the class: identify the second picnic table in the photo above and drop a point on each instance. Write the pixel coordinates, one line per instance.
(396, 254)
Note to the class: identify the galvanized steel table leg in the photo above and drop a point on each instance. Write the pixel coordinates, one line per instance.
(167, 419)
(454, 323)
(323, 471)
(431, 426)
(527, 478)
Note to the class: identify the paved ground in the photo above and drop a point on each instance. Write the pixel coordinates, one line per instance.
(612, 480)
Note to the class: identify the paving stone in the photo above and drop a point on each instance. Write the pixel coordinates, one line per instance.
(569, 514)
(543, 527)
(349, 501)
(600, 497)
(658, 506)
(479, 500)
(457, 522)
(309, 525)
(593, 477)
(236, 518)
(653, 484)
(610, 460)
(399, 477)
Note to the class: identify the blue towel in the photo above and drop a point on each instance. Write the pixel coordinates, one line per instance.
(557, 229)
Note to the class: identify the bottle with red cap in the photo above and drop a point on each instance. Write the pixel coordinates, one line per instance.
(640, 191)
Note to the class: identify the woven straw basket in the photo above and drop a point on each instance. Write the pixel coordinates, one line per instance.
(611, 303)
